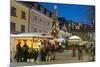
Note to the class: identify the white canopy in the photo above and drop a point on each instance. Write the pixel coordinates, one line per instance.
(74, 40)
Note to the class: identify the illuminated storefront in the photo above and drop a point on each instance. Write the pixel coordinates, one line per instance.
(32, 41)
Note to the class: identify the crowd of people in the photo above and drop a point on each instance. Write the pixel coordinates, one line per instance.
(43, 53)
(47, 51)
(90, 50)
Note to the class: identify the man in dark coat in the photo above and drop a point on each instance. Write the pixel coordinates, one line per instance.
(18, 52)
(80, 52)
(93, 52)
(53, 51)
(35, 54)
(73, 51)
(25, 52)
(43, 53)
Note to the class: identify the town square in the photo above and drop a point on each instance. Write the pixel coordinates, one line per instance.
(51, 33)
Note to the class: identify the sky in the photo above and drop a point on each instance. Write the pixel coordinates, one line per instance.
(76, 13)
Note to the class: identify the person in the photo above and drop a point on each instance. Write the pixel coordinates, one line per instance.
(30, 53)
(74, 51)
(87, 48)
(53, 51)
(35, 54)
(25, 52)
(43, 53)
(18, 52)
(89, 51)
(39, 55)
(39, 51)
(48, 51)
(80, 52)
(93, 52)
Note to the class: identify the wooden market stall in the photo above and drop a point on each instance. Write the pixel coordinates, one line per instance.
(32, 40)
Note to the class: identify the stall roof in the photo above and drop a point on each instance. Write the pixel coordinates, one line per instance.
(75, 38)
(30, 35)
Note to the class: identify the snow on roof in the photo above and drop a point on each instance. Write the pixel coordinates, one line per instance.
(75, 38)
(29, 35)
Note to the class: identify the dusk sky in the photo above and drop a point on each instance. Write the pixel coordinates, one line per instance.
(77, 13)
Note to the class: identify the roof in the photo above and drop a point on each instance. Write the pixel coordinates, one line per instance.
(30, 35)
(31, 4)
(74, 38)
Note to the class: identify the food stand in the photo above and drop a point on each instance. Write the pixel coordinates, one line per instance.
(74, 40)
(32, 40)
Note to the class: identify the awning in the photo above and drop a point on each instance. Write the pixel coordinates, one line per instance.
(30, 35)
(74, 40)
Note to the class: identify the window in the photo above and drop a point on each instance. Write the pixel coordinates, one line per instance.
(13, 11)
(13, 27)
(44, 22)
(35, 17)
(40, 30)
(44, 31)
(34, 29)
(40, 20)
(48, 23)
(22, 28)
(23, 15)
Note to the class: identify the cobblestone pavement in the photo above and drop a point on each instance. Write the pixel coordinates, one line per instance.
(65, 57)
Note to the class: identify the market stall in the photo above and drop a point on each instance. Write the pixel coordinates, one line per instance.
(74, 40)
(32, 40)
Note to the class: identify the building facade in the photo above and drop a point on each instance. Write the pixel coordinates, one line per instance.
(19, 17)
(64, 24)
(39, 22)
(30, 17)
(40, 18)
(78, 29)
